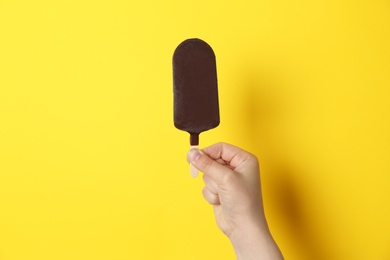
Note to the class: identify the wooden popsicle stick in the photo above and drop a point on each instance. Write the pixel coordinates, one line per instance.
(193, 171)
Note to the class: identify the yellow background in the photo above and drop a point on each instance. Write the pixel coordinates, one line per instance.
(91, 166)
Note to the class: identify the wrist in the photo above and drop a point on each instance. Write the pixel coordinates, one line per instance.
(254, 242)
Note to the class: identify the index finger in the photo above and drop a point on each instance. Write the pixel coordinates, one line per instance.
(230, 154)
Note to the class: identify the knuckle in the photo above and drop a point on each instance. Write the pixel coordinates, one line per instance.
(228, 178)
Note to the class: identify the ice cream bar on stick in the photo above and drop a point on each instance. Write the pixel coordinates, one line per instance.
(195, 89)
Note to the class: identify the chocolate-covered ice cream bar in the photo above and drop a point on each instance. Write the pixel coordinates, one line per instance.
(195, 88)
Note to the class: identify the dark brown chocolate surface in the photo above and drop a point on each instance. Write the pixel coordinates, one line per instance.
(195, 88)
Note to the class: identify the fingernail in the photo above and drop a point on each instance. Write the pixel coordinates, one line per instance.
(194, 154)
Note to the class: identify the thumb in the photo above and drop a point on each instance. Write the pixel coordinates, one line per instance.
(208, 166)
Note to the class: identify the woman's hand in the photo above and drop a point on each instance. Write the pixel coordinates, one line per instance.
(232, 186)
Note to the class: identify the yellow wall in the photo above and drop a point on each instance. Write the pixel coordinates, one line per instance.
(91, 166)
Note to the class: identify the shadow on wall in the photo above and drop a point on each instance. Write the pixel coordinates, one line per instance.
(264, 110)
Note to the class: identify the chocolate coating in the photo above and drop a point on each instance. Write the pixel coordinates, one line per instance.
(195, 88)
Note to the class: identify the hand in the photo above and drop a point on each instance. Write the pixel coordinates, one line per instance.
(232, 186)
